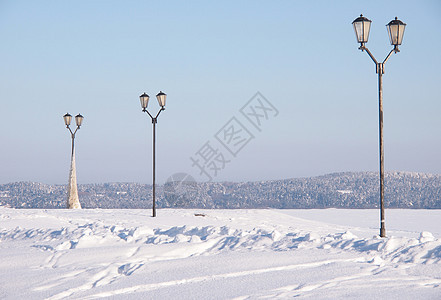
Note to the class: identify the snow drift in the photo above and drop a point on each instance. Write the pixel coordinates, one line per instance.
(212, 254)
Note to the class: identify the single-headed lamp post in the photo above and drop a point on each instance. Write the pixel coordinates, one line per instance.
(144, 98)
(395, 28)
(72, 190)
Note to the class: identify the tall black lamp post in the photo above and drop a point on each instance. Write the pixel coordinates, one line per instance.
(395, 28)
(144, 98)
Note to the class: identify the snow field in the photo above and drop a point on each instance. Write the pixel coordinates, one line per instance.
(223, 254)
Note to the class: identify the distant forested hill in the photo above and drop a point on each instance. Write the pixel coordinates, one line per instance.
(338, 190)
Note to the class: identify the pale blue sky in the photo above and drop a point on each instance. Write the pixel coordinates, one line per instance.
(97, 57)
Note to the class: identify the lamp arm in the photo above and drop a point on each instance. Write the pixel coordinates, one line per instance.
(162, 108)
(369, 53)
(146, 111)
(388, 56)
(70, 130)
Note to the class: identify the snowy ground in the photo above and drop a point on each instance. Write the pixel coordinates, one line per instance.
(226, 254)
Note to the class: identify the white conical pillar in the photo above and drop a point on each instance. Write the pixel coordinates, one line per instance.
(72, 191)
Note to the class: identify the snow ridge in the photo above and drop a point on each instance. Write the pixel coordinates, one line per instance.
(211, 240)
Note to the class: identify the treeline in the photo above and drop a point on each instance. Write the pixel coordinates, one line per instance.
(338, 190)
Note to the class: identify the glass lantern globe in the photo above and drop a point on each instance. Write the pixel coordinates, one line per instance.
(395, 29)
(144, 98)
(67, 119)
(79, 119)
(362, 26)
(161, 98)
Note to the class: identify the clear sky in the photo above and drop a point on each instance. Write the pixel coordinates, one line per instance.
(97, 57)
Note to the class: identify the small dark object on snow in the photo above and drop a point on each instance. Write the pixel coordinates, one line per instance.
(199, 215)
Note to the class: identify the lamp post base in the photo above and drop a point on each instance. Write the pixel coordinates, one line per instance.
(72, 190)
(382, 232)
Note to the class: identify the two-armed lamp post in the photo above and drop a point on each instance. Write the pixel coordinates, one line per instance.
(72, 190)
(144, 98)
(395, 28)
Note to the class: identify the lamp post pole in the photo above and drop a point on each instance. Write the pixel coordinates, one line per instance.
(72, 198)
(72, 134)
(380, 128)
(154, 166)
(396, 30)
(144, 98)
